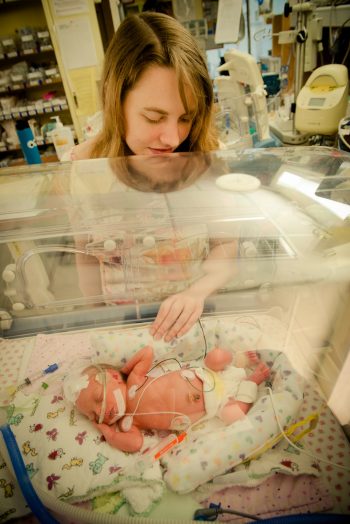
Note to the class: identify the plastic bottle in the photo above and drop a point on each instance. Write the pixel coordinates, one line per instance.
(62, 137)
(28, 145)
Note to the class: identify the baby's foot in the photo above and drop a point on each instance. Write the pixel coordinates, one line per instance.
(252, 357)
(261, 372)
(246, 359)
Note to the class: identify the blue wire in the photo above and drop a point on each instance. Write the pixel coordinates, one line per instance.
(32, 499)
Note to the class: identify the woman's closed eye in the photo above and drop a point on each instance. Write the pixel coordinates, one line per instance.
(154, 121)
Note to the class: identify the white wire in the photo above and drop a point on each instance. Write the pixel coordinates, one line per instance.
(301, 450)
(157, 413)
(152, 413)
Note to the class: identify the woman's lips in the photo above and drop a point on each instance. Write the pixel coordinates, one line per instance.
(160, 151)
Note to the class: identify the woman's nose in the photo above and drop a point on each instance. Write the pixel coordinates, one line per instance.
(170, 135)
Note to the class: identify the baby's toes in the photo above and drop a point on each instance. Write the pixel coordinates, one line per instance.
(253, 357)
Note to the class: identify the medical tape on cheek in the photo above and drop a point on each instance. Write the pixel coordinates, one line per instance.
(119, 399)
(74, 384)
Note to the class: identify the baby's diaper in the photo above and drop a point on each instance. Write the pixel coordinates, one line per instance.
(219, 387)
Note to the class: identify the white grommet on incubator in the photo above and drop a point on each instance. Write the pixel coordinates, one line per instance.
(18, 306)
(149, 241)
(238, 182)
(249, 248)
(109, 244)
(5, 319)
(9, 273)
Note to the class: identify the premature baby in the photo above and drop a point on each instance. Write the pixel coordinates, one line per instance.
(122, 403)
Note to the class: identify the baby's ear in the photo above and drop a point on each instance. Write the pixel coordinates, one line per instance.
(115, 374)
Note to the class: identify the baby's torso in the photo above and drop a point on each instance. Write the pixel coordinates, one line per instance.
(158, 401)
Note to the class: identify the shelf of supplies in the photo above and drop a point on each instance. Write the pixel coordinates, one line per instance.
(5, 59)
(45, 83)
(16, 3)
(31, 111)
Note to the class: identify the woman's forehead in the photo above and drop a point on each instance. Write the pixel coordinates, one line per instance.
(156, 80)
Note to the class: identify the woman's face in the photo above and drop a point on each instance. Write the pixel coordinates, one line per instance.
(155, 117)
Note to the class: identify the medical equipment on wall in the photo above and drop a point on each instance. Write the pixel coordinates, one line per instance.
(306, 37)
(242, 98)
(322, 102)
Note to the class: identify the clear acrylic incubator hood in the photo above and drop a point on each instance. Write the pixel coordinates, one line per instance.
(89, 250)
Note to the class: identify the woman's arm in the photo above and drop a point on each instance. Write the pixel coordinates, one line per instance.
(179, 312)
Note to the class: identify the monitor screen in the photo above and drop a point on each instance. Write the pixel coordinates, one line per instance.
(316, 102)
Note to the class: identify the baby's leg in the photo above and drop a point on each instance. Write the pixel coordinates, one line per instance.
(260, 373)
(234, 410)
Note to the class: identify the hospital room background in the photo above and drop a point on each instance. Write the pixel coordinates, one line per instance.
(278, 188)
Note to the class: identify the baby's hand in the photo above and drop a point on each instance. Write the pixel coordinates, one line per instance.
(176, 316)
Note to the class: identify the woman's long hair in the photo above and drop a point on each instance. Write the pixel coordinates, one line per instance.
(142, 41)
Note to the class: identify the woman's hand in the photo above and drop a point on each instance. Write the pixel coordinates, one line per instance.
(176, 315)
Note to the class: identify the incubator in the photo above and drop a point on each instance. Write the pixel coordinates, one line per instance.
(89, 250)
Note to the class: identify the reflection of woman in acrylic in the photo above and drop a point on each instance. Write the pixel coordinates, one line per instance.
(176, 263)
(160, 173)
(151, 398)
(157, 99)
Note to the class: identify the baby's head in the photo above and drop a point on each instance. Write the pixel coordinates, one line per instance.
(98, 391)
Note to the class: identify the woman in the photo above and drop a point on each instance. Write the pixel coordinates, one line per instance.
(158, 99)
(157, 94)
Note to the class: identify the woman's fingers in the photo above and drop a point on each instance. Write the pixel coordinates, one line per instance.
(176, 316)
(168, 313)
(183, 325)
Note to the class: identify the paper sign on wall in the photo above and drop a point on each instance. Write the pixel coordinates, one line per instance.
(76, 43)
(70, 7)
(227, 25)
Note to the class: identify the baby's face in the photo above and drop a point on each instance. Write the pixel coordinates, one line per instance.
(90, 399)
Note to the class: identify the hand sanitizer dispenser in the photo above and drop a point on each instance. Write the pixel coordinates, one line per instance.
(62, 137)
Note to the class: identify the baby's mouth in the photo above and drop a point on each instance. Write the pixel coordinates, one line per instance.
(112, 417)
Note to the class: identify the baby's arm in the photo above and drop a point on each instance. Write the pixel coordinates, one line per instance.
(129, 441)
(140, 363)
